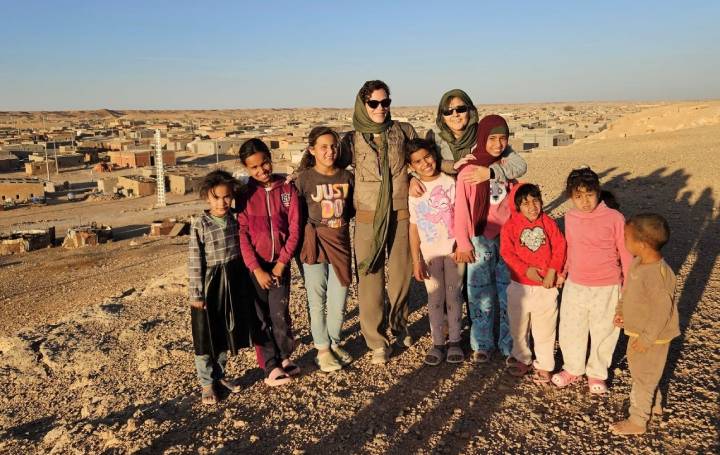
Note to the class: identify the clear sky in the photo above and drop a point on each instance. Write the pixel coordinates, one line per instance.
(241, 54)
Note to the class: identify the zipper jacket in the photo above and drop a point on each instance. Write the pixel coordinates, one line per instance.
(269, 223)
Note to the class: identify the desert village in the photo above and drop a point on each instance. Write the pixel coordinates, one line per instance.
(95, 346)
(106, 155)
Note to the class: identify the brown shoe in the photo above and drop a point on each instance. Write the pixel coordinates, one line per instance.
(626, 427)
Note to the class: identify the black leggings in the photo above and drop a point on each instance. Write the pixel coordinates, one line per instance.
(276, 341)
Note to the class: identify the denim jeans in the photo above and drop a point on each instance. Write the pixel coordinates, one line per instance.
(209, 369)
(487, 280)
(326, 304)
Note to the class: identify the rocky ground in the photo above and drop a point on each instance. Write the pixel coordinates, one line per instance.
(96, 354)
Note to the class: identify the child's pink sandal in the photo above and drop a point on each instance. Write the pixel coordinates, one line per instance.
(277, 377)
(596, 386)
(564, 379)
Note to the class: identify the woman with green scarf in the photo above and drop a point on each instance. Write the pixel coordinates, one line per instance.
(456, 125)
(376, 150)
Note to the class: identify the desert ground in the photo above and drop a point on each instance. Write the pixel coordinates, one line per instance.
(96, 353)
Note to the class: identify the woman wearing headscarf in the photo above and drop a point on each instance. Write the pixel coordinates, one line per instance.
(375, 148)
(456, 134)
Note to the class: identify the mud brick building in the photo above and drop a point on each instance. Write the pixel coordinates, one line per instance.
(137, 185)
(21, 189)
(40, 167)
(140, 158)
(185, 180)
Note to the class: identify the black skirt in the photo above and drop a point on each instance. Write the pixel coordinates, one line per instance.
(229, 315)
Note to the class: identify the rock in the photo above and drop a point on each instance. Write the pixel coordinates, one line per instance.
(151, 358)
(150, 423)
(111, 440)
(254, 438)
(130, 425)
(17, 354)
(52, 436)
(239, 424)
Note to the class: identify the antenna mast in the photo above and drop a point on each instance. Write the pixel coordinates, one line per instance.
(159, 170)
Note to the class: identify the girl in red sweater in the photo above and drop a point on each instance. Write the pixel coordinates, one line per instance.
(534, 249)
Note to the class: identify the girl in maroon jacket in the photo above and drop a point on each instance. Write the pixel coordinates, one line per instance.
(269, 220)
(534, 249)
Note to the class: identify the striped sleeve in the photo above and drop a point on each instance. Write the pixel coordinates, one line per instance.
(196, 261)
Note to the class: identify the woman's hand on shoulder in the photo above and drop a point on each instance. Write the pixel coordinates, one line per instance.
(463, 161)
(475, 174)
(416, 188)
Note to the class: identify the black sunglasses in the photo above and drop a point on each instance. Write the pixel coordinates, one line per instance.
(375, 103)
(459, 109)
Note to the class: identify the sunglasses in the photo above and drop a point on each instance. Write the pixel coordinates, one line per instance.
(375, 103)
(459, 109)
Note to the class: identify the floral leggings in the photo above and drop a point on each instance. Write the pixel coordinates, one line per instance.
(487, 279)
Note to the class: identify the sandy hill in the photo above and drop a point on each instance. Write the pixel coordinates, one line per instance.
(659, 119)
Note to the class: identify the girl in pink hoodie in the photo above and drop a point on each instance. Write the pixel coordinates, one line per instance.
(596, 266)
(269, 220)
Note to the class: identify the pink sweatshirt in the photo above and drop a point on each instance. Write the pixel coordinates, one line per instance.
(596, 254)
(465, 230)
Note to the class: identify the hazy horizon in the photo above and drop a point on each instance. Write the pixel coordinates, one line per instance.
(168, 55)
(152, 109)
